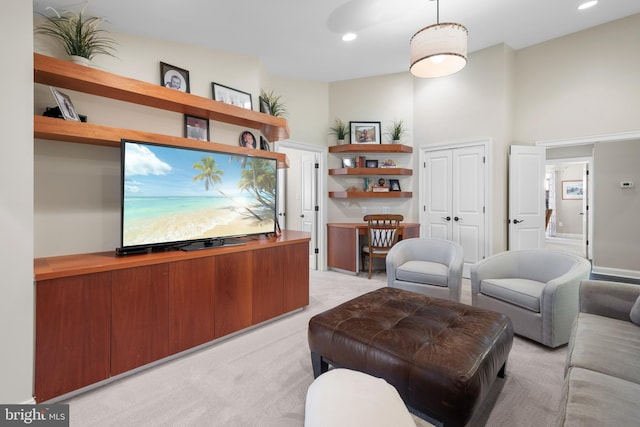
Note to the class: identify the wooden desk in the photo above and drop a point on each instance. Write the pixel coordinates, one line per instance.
(343, 243)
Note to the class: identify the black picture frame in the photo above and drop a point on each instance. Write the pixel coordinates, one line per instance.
(174, 77)
(196, 127)
(264, 144)
(264, 106)
(365, 133)
(65, 105)
(371, 163)
(247, 139)
(229, 95)
(394, 185)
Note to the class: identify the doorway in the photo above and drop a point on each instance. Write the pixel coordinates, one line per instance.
(302, 200)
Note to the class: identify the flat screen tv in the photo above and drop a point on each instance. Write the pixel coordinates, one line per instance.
(192, 198)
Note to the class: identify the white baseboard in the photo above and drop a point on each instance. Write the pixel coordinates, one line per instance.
(617, 272)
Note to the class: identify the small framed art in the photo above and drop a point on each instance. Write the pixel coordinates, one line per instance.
(371, 163)
(65, 105)
(572, 190)
(365, 132)
(264, 106)
(174, 77)
(264, 144)
(196, 128)
(394, 185)
(247, 140)
(231, 96)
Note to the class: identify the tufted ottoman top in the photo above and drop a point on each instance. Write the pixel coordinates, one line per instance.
(441, 355)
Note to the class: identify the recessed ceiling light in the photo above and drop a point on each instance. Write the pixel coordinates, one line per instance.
(349, 37)
(587, 4)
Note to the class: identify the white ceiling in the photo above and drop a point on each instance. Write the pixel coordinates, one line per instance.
(302, 38)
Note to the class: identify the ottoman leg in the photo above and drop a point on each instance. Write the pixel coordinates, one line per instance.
(319, 365)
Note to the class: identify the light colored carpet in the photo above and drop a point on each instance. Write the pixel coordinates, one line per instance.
(260, 377)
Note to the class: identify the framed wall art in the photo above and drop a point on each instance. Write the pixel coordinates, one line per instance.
(365, 132)
(572, 190)
(65, 105)
(394, 185)
(174, 77)
(196, 128)
(231, 96)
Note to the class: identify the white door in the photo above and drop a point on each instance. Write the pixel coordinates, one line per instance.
(309, 204)
(282, 199)
(526, 197)
(454, 195)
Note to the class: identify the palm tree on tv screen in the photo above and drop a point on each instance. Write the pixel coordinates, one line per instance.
(260, 181)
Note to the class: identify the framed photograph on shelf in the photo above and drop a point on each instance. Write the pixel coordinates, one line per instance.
(572, 190)
(264, 144)
(264, 106)
(247, 140)
(65, 105)
(394, 185)
(174, 77)
(231, 96)
(365, 132)
(371, 163)
(348, 162)
(196, 128)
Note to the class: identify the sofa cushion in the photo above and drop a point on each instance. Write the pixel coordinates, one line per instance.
(635, 312)
(432, 273)
(520, 292)
(594, 399)
(605, 345)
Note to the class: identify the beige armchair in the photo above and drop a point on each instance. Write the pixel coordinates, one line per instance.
(428, 266)
(536, 288)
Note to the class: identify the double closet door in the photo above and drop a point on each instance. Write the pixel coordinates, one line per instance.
(453, 182)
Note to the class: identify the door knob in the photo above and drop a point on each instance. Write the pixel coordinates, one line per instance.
(517, 221)
(446, 218)
(455, 218)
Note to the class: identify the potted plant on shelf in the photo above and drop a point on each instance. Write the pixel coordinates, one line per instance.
(274, 104)
(340, 130)
(79, 34)
(396, 130)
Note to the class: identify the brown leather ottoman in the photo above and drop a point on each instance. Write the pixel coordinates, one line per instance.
(442, 356)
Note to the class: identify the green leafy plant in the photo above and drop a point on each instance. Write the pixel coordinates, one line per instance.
(339, 129)
(396, 130)
(78, 33)
(276, 106)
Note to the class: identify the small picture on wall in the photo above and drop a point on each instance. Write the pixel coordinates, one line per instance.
(174, 77)
(572, 190)
(365, 132)
(196, 128)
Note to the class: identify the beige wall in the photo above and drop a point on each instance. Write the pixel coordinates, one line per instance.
(16, 205)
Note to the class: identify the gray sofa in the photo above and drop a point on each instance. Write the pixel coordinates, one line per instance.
(602, 372)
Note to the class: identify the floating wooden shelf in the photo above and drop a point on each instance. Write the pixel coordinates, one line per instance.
(371, 171)
(371, 148)
(90, 133)
(369, 194)
(64, 74)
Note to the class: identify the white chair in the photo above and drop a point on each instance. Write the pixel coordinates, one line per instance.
(428, 266)
(536, 288)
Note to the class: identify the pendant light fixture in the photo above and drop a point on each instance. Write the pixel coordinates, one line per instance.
(439, 50)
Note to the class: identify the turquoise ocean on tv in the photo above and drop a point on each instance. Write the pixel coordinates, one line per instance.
(137, 208)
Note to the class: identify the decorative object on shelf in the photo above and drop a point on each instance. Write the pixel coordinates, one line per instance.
(352, 189)
(264, 144)
(273, 104)
(340, 130)
(371, 163)
(232, 96)
(572, 190)
(439, 50)
(348, 162)
(247, 139)
(388, 164)
(396, 130)
(79, 34)
(365, 132)
(394, 185)
(196, 128)
(174, 77)
(65, 105)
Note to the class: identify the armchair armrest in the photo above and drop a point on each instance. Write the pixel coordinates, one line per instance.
(609, 299)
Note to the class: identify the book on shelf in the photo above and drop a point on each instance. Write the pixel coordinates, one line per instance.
(380, 189)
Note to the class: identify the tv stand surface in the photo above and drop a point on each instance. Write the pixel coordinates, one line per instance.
(100, 315)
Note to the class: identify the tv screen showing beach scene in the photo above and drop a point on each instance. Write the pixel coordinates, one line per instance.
(176, 195)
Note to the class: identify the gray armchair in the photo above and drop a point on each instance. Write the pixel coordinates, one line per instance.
(536, 288)
(428, 266)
